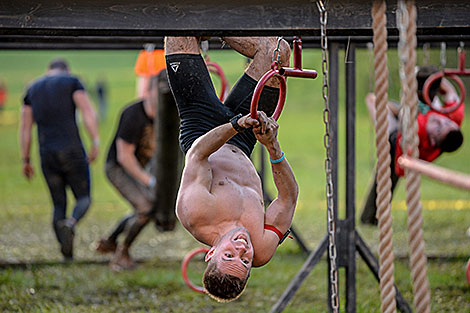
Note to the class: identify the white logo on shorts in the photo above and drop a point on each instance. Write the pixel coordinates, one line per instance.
(175, 66)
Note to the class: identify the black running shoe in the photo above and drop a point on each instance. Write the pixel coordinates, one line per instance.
(67, 234)
(368, 218)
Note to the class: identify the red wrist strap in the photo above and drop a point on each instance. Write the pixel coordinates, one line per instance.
(274, 229)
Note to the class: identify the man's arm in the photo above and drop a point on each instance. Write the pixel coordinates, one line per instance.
(448, 91)
(126, 157)
(82, 102)
(204, 146)
(196, 180)
(281, 211)
(370, 104)
(450, 98)
(26, 126)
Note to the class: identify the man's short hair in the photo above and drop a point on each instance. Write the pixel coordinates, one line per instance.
(423, 73)
(59, 63)
(222, 287)
(452, 141)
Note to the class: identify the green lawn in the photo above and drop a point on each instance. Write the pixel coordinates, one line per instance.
(88, 285)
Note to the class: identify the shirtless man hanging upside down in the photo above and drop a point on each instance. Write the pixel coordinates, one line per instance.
(220, 200)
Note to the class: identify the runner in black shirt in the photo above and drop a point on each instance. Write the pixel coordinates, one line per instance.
(51, 102)
(128, 157)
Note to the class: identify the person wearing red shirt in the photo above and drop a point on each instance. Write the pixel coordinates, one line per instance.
(437, 132)
(3, 95)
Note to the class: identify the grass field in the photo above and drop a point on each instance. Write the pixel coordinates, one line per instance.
(44, 284)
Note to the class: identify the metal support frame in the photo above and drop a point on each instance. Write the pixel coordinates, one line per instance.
(122, 42)
(348, 240)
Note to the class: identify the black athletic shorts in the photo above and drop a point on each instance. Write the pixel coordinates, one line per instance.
(200, 109)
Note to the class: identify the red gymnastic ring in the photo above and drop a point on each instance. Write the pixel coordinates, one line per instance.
(468, 272)
(184, 267)
(427, 85)
(259, 89)
(217, 70)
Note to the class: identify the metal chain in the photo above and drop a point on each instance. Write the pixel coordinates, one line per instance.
(329, 182)
(426, 53)
(277, 52)
(443, 55)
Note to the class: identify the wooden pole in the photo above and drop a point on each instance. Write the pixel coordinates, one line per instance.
(435, 172)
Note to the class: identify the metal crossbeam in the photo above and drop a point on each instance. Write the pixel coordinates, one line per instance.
(208, 17)
(56, 42)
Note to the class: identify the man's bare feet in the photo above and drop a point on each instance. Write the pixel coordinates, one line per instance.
(122, 260)
(106, 246)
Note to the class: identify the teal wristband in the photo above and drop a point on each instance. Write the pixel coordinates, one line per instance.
(152, 181)
(278, 160)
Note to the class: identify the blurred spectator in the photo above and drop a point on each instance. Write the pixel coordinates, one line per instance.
(51, 101)
(128, 158)
(3, 95)
(149, 63)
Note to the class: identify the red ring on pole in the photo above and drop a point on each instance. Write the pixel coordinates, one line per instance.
(184, 267)
(259, 88)
(468, 272)
(216, 69)
(427, 85)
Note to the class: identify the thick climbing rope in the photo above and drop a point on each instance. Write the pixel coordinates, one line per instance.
(406, 21)
(384, 183)
(333, 275)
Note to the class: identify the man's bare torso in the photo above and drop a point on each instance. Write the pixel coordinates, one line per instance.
(237, 198)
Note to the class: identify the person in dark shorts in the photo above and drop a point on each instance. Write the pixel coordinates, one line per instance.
(437, 133)
(128, 157)
(51, 103)
(220, 200)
